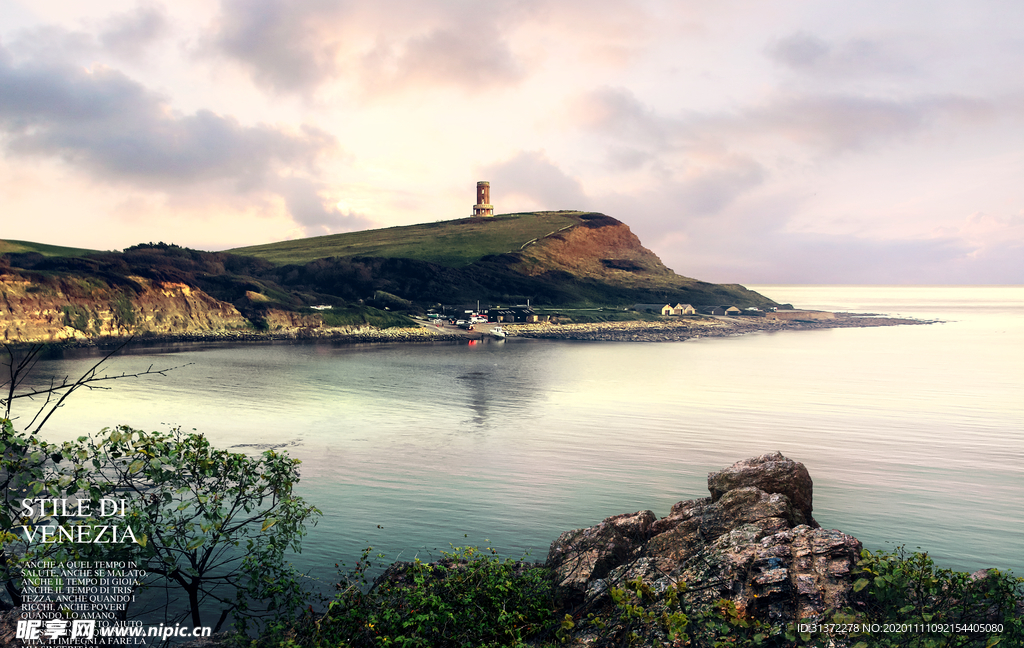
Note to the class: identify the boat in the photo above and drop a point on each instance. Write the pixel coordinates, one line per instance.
(498, 332)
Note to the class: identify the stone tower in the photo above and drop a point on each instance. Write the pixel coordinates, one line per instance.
(483, 206)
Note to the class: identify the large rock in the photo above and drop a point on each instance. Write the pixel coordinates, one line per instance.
(581, 555)
(753, 542)
(772, 473)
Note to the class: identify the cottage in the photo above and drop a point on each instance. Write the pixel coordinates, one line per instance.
(683, 309)
(732, 310)
(664, 309)
(712, 310)
(512, 314)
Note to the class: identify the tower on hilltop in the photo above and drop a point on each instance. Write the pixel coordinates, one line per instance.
(483, 206)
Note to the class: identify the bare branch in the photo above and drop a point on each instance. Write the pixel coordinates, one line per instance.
(57, 392)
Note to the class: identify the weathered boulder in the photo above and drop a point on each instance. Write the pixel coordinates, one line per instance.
(794, 573)
(753, 542)
(693, 525)
(581, 555)
(772, 473)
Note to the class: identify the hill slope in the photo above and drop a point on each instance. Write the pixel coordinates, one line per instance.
(553, 259)
(21, 247)
(454, 243)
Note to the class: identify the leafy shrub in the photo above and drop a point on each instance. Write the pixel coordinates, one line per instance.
(218, 525)
(470, 598)
(645, 614)
(918, 605)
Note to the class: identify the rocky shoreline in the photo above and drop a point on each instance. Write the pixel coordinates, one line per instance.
(361, 335)
(692, 328)
(628, 331)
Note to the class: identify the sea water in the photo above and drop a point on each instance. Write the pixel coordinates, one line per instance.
(912, 434)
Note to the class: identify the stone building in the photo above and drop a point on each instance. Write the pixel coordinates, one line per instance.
(483, 206)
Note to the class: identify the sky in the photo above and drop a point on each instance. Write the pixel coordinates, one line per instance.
(796, 141)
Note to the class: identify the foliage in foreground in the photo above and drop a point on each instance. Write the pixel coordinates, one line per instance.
(910, 603)
(214, 524)
(468, 598)
(471, 598)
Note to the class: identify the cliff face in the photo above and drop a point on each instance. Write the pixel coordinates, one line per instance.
(66, 308)
(600, 248)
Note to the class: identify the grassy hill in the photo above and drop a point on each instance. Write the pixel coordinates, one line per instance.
(552, 259)
(19, 247)
(455, 243)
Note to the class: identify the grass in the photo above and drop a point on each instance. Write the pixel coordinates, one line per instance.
(592, 315)
(454, 243)
(17, 247)
(364, 315)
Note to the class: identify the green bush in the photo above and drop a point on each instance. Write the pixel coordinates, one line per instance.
(643, 614)
(468, 599)
(918, 605)
(216, 524)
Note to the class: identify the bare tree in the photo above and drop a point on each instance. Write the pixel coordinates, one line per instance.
(21, 364)
(26, 460)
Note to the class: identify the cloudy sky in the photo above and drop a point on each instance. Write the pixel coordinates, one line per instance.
(792, 141)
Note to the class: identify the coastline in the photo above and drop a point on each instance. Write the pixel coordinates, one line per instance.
(674, 330)
(694, 328)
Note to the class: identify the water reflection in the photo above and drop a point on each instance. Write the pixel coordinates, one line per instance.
(476, 383)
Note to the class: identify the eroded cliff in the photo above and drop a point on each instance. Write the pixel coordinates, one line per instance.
(61, 308)
(600, 248)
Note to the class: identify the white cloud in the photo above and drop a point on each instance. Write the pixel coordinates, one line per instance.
(530, 175)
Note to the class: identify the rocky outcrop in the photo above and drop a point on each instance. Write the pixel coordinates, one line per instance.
(770, 473)
(601, 248)
(753, 542)
(73, 308)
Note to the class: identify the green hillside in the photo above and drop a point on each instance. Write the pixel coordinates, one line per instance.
(455, 243)
(20, 247)
(552, 259)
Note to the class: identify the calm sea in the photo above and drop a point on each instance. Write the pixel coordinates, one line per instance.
(913, 435)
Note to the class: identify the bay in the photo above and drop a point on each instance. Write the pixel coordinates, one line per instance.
(912, 434)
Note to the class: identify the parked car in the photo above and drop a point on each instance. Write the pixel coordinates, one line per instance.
(463, 324)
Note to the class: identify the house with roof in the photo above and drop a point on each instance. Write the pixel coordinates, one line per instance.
(512, 314)
(661, 309)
